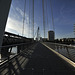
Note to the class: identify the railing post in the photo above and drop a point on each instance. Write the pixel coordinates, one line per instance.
(18, 49)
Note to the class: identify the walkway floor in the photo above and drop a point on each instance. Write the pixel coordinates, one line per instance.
(45, 62)
(36, 60)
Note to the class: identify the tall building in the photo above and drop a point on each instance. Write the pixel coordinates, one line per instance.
(51, 35)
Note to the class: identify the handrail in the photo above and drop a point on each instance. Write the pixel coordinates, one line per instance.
(62, 44)
(9, 46)
(8, 62)
(66, 50)
(13, 45)
(3, 64)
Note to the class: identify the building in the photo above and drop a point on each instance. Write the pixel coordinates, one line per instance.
(68, 40)
(50, 35)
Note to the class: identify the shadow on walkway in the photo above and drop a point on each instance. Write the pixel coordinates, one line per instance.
(41, 62)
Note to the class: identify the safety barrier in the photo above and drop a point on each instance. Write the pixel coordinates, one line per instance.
(66, 50)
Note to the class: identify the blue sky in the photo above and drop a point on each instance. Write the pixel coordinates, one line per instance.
(63, 13)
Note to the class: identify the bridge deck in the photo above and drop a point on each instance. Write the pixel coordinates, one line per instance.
(45, 62)
(41, 62)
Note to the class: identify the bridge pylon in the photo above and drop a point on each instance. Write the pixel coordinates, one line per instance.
(4, 11)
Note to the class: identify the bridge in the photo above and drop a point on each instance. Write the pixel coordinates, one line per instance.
(20, 55)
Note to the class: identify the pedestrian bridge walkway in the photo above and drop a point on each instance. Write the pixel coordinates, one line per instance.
(37, 60)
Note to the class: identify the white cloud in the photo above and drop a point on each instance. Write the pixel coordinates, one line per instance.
(15, 23)
(22, 15)
(20, 11)
(16, 26)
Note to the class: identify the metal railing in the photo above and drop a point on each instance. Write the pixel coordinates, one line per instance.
(66, 50)
(7, 54)
(15, 64)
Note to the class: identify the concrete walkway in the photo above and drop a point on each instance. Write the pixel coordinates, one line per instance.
(45, 62)
(36, 60)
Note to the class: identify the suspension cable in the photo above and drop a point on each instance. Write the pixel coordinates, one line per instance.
(52, 15)
(29, 18)
(33, 18)
(24, 17)
(47, 15)
(43, 17)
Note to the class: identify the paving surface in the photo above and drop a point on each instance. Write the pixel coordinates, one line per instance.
(37, 60)
(45, 62)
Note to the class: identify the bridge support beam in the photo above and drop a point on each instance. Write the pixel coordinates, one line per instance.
(4, 11)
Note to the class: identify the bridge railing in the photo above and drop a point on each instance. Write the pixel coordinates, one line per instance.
(66, 50)
(10, 51)
(15, 64)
